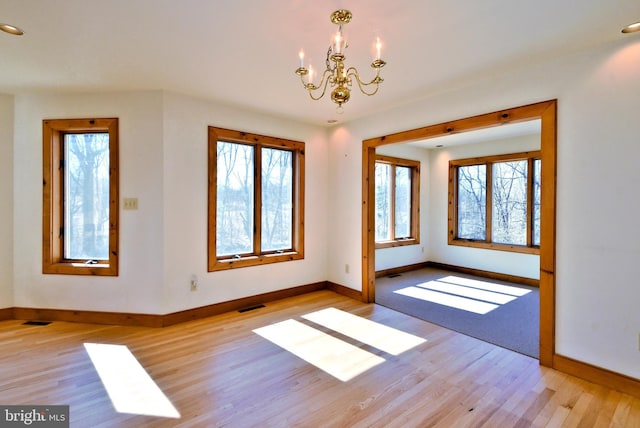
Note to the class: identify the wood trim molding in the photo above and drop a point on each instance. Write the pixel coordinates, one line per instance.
(345, 291)
(486, 274)
(401, 269)
(90, 317)
(237, 304)
(6, 314)
(153, 320)
(598, 375)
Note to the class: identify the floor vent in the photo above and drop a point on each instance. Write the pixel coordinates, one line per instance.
(36, 323)
(394, 275)
(251, 308)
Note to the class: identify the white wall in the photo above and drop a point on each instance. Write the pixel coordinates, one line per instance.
(525, 265)
(185, 205)
(598, 239)
(387, 258)
(163, 163)
(6, 196)
(139, 285)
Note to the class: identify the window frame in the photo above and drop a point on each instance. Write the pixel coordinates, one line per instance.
(53, 132)
(414, 227)
(257, 257)
(453, 238)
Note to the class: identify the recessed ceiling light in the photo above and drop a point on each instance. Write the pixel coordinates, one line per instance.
(631, 28)
(11, 29)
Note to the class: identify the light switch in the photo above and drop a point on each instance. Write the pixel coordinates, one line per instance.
(130, 203)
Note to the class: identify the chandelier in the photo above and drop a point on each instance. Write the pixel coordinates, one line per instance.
(335, 73)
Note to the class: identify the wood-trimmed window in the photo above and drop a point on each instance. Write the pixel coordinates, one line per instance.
(494, 202)
(256, 199)
(397, 190)
(80, 197)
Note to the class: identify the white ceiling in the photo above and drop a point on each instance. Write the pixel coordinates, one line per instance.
(244, 52)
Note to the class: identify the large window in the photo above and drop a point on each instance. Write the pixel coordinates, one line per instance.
(495, 202)
(80, 196)
(256, 199)
(397, 192)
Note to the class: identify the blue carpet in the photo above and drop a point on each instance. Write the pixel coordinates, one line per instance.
(513, 325)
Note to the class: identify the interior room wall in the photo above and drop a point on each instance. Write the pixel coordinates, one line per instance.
(598, 241)
(387, 258)
(138, 288)
(6, 195)
(524, 265)
(185, 205)
(163, 244)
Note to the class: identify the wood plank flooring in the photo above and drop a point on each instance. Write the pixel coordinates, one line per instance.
(217, 372)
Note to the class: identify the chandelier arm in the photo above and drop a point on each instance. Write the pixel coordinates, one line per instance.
(352, 71)
(326, 78)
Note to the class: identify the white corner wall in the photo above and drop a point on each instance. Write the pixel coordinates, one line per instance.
(6, 196)
(598, 239)
(185, 205)
(138, 288)
(163, 163)
(524, 265)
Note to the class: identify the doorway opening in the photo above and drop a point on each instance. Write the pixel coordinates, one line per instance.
(546, 113)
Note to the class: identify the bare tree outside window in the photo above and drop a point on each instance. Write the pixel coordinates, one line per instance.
(234, 199)
(494, 202)
(397, 200)
(256, 199)
(403, 202)
(509, 203)
(80, 196)
(86, 199)
(277, 200)
(472, 200)
(383, 201)
(537, 165)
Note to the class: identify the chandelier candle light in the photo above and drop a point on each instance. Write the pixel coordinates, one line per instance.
(335, 73)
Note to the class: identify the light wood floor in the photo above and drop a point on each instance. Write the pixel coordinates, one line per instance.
(218, 372)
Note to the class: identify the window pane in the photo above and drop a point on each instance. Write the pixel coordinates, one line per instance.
(472, 187)
(383, 202)
(277, 200)
(403, 202)
(509, 203)
(537, 164)
(234, 199)
(86, 196)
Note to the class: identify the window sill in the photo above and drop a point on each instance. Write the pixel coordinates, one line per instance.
(72, 268)
(397, 243)
(492, 246)
(226, 264)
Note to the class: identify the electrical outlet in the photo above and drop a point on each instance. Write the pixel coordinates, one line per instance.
(346, 268)
(130, 203)
(194, 283)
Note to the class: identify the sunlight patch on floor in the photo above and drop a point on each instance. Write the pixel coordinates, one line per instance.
(334, 356)
(485, 285)
(129, 386)
(457, 302)
(380, 336)
(470, 292)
